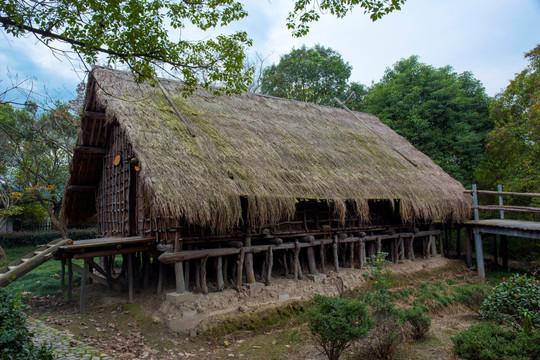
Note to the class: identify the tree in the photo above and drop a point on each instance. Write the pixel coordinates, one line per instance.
(135, 33)
(513, 148)
(37, 149)
(442, 113)
(314, 75)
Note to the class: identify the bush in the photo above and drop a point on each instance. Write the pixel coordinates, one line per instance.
(15, 339)
(379, 279)
(335, 322)
(514, 301)
(420, 321)
(487, 341)
(383, 341)
(15, 239)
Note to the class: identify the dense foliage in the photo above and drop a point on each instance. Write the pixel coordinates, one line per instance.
(442, 113)
(15, 339)
(513, 148)
(315, 75)
(514, 301)
(15, 239)
(419, 319)
(137, 33)
(487, 341)
(335, 322)
(36, 150)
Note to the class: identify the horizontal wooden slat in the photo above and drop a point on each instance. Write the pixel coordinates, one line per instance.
(508, 193)
(522, 209)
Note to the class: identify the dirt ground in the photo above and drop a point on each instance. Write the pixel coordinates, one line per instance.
(142, 329)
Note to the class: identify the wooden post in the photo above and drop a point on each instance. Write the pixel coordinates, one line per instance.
(239, 266)
(84, 281)
(160, 278)
(441, 249)
(311, 261)
(495, 255)
(130, 275)
(203, 275)
(362, 253)
(186, 274)
(458, 242)
(479, 254)
(296, 265)
(248, 262)
(504, 251)
(197, 275)
(323, 259)
(501, 203)
(475, 202)
(468, 248)
(379, 245)
(219, 268)
(179, 268)
(63, 272)
(351, 255)
(411, 248)
(270, 264)
(70, 279)
(335, 252)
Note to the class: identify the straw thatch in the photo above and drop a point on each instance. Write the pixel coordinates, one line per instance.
(270, 151)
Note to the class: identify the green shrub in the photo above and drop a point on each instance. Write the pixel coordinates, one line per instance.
(378, 277)
(420, 320)
(487, 341)
(15, 339)
(15, 239)
(335, 322)
(514, 301)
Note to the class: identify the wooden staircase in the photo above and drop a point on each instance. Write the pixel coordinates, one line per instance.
(30, 261)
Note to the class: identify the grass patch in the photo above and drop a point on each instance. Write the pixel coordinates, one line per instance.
(43, 280)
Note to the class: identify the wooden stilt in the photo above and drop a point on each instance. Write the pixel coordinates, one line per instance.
(63, 272)
(219, 270)
(70, 280)
(401, 250)
(130, 275)
(203, 275)
(495, 254)
(362, 254)
(458, 242)
(379, 246)
(479, 254)
(270, 265)
(468, 248)
(351, 254)
(411, 248)
(248, 262)
(441, 248)
(197, 275)
(84, 281)
(239, 266)
(335, 252)
(504, 251)
(296, 264)
(186, 274)
(160, 278)
(179, 268)
(311, 261)
(225, 269)
(323, 258)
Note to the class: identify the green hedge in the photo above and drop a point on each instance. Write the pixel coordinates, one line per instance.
(14, 239)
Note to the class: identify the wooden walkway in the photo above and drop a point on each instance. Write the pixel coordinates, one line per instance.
(501, 227)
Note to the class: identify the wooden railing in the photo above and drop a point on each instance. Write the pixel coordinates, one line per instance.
(500, 207)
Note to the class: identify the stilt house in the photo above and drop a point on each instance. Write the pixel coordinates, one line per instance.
(246, 178)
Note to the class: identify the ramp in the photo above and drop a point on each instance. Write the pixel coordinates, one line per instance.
(30, 261)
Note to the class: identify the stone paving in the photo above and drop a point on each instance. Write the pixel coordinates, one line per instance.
(64, 345)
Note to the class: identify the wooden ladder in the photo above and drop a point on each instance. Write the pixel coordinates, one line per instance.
(30, 261)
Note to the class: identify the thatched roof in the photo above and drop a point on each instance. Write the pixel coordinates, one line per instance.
(271, 151)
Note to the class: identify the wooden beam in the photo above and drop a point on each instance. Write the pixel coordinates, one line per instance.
(98, 150)
(94, 115)
(82, 187)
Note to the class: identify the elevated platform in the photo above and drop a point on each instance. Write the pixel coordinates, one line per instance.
(519, 228)
(86, 249)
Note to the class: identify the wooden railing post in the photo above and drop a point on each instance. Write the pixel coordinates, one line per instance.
(475, 202)
(499, 189)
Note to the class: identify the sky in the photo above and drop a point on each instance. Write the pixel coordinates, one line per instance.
(486, 37)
